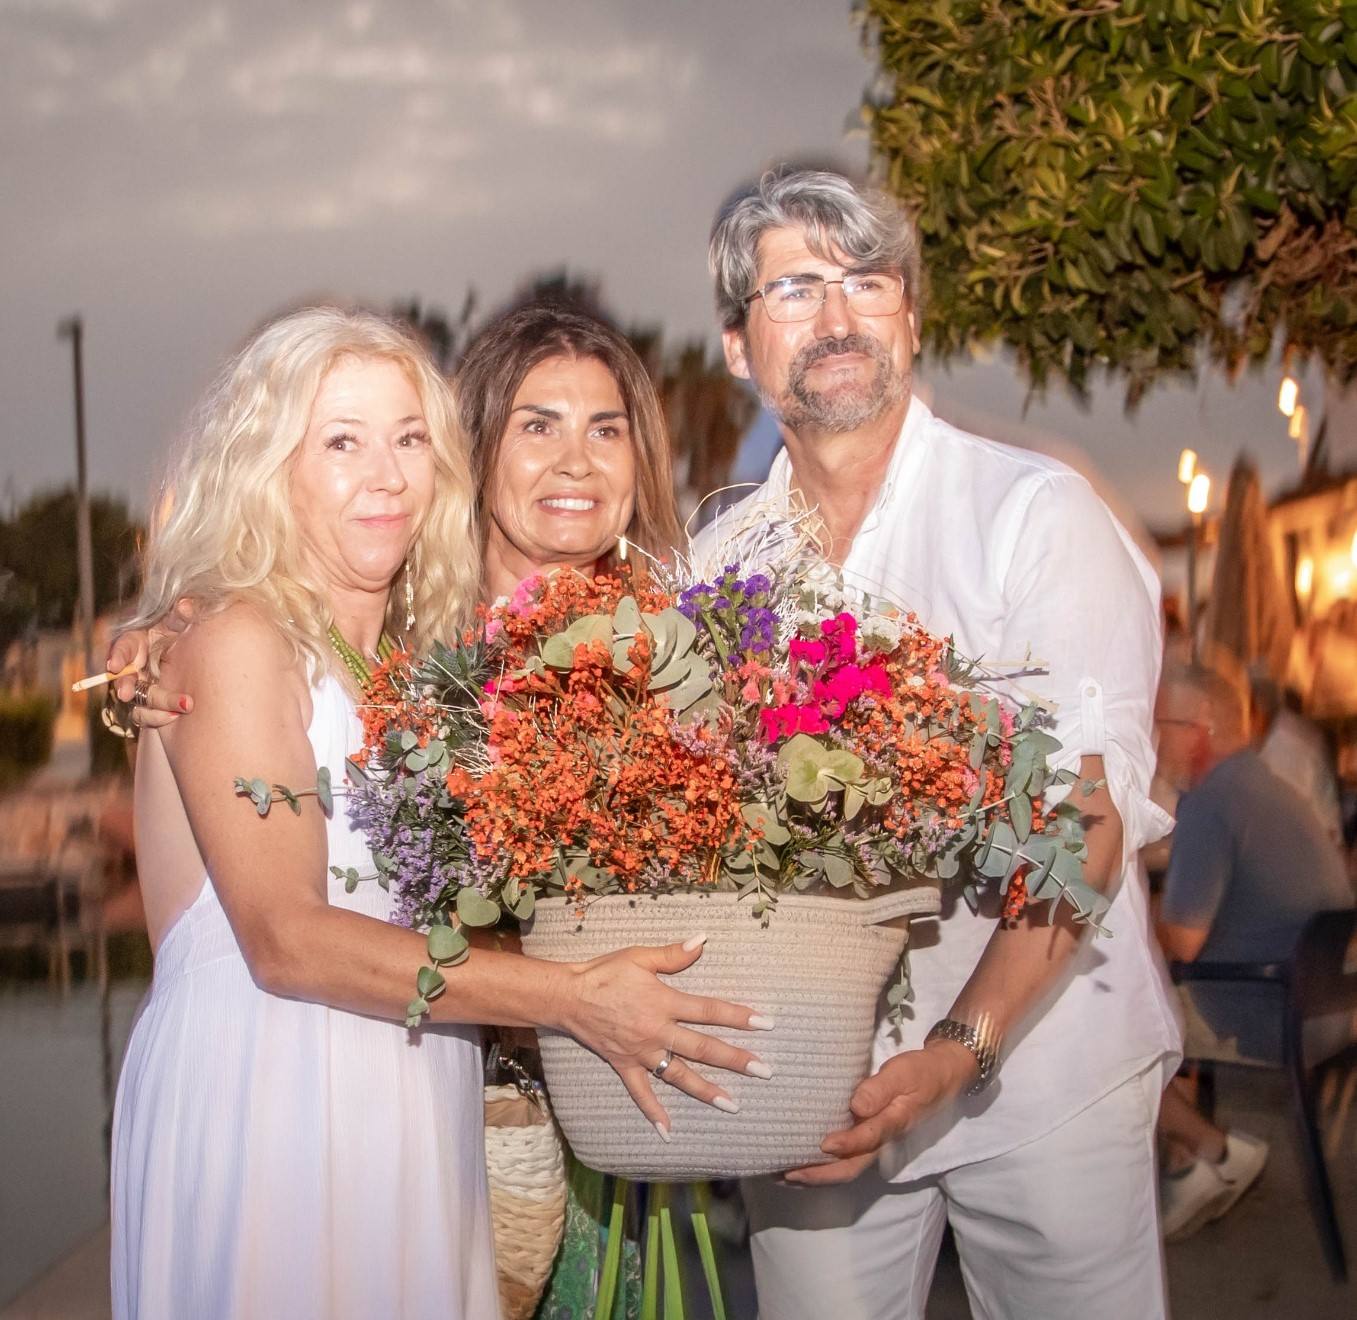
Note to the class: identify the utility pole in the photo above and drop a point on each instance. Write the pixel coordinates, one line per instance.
(73, 329)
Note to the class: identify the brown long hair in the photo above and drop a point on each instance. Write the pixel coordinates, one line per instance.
(508, 348)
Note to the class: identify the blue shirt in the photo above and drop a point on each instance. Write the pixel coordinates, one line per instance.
(1250, 863)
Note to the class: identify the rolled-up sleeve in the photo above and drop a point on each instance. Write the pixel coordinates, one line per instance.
(1083, 602)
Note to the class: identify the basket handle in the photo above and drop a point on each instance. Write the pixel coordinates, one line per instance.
(916, 901)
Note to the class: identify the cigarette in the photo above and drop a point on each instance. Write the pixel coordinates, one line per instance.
(95, 680)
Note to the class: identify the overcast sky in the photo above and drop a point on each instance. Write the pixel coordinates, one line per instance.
(174, 171)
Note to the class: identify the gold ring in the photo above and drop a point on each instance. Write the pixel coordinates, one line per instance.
(141, 692)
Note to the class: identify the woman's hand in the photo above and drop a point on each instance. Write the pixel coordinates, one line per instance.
(622, 1011)
(132, 651)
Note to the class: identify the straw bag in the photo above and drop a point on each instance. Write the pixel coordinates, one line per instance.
(525, 1164)
(818, 967)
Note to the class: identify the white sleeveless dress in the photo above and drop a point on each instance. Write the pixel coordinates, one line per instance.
(274, 1158)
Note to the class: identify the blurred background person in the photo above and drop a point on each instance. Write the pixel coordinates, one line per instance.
(1250, 864)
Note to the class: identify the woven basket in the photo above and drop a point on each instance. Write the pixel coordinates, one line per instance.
(818, 968)
(526, 1168)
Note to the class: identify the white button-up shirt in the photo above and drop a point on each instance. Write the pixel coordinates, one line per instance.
(1015, 556)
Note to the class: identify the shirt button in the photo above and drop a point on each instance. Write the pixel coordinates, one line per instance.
(1090, 691)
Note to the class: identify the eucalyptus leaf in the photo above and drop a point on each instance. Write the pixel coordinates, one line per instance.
(474, 909)
(761, 816)
(324, 790)
(445, 944)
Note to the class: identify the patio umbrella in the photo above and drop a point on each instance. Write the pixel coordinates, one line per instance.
(1249, 613)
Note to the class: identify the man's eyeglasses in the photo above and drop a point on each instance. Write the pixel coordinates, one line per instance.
(799, 297)
(1182, 723)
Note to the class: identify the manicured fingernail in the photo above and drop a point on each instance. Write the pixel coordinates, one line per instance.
(663, 1130)
(757, 1068)
(183, 704)
(694, 942)
(757, 1022)
(726, 1105)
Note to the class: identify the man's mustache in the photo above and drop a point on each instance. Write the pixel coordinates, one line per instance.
(823, 348)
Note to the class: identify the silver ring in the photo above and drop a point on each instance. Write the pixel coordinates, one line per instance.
(141, 692)
(660, 1068)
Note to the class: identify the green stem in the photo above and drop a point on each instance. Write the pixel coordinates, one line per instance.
(673, 1281)
(612, 1257)
(705, 1250)
(650, 1280)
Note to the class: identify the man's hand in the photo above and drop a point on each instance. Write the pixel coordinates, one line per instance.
(908, 1088)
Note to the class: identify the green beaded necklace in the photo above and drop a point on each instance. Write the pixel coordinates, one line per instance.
(353, 661)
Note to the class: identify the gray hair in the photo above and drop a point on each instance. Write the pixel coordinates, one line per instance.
(869, 227)
(1220, 698)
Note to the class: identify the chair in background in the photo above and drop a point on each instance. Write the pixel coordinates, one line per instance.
(1319, 980)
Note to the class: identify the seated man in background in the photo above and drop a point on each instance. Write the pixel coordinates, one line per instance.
(1251, 863)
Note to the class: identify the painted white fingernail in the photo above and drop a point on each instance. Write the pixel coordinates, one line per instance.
(694, 942)
(757, 1068)
(757, 1022)
(726, 1105)
(663, 1130)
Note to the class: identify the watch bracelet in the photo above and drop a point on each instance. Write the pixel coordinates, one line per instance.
(978, 1040)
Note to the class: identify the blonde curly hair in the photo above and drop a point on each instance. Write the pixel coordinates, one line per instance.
(223, 530)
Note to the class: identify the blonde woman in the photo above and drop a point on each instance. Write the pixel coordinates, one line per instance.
(282, 1145)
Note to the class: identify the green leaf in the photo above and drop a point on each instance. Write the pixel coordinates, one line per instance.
(475, 909)
(527, 901)
(415, 1010)
(761, 816)
(627, 617)
(430, 982)
(446, 945)
(324, 791)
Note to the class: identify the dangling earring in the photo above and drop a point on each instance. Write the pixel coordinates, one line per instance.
(409, 595)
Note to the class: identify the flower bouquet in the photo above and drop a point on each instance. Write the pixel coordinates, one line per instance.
(622, 759)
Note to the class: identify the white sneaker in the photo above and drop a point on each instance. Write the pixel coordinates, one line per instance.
(1188, 1201)
(1244, 1159)
(1208, 1189)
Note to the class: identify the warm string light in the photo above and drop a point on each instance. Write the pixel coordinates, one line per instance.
(1198, 494)
(1288, 397)
(1305, 577)
(1187, 465)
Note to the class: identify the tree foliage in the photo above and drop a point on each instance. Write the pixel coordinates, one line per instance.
(1122, 182)
(39, 581)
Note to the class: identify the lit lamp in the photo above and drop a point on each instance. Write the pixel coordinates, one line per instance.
(1305, 579)
(1198, 495)
(1288, 396)
(1298, 428)
(1187, 466)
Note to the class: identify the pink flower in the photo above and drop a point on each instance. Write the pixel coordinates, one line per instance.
(750, 691)
(493, 628)
(841, 633)
(783, 721)
(522, 601)
(813, 653)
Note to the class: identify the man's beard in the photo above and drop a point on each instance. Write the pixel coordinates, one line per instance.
(847, 405)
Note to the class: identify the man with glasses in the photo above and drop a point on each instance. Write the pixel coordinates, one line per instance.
(1019, 1102)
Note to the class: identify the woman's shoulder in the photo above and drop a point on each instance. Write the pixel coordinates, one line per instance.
(237, 640)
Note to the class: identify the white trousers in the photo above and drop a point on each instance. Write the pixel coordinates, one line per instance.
(1065, 1227)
